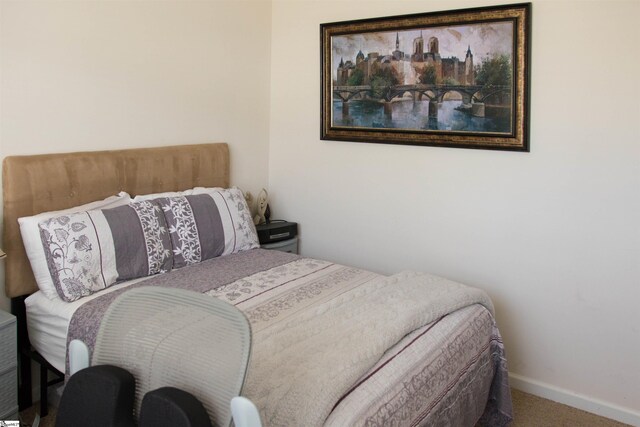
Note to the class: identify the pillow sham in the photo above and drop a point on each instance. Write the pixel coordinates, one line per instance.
(92, 250)
(33, 244)
(209, 223)
(141, 197)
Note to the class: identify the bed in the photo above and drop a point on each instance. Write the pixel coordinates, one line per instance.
(403, 362)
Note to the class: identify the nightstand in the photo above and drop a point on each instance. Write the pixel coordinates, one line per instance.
(279, 236)
(289, 245)
(8, 367)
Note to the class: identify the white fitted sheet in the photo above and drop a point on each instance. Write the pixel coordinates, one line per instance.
(48, 321)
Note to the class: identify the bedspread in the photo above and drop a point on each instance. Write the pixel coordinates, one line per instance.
(201, 277)
(319, 328)
(304, 364)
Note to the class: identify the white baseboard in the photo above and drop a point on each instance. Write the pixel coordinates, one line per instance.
(580, 401)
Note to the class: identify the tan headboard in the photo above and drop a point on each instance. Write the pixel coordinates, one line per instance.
(41, 183)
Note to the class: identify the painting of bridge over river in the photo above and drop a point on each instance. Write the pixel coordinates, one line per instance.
(462, 83)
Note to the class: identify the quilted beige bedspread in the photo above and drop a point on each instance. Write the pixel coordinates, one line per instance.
(306, 356)
(341, 346)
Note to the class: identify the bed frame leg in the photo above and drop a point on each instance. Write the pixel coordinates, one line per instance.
(18, 309)
(24, 389)
(44, 382)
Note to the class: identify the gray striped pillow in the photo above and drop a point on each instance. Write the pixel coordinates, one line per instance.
(212, 223)
(91, 250)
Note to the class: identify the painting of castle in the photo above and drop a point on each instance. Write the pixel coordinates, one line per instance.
(458, 78)
(454, 78)
(409, 67)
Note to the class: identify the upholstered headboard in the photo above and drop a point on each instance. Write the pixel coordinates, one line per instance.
(41, 183)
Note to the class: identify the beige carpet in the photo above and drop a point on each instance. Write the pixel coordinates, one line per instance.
(529, 411)
(534, 411)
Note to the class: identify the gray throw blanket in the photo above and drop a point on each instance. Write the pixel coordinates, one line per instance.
(301, 367)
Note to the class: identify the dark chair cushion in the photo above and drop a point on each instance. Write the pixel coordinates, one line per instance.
(98, 396)
(171, 407)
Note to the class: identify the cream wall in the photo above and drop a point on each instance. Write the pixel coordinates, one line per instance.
(553, 235)
(87, 75)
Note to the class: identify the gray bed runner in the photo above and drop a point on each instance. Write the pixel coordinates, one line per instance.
(202, 277)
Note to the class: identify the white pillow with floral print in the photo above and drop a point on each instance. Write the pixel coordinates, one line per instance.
(33, 244)
(92, 250)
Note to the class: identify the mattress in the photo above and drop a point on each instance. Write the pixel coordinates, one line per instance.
(444, 370)
(48, 321)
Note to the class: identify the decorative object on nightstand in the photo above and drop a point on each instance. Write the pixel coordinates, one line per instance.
(279, 235)
(262, 207)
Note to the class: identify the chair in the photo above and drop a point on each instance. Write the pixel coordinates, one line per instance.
(176, 338)
(169, 406)
(99, 396)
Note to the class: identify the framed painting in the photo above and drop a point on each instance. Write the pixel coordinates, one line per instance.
(456, 78)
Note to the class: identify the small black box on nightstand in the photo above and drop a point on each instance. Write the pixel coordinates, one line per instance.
(276, 231)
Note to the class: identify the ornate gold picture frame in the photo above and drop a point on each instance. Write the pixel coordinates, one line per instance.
(455, 78)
